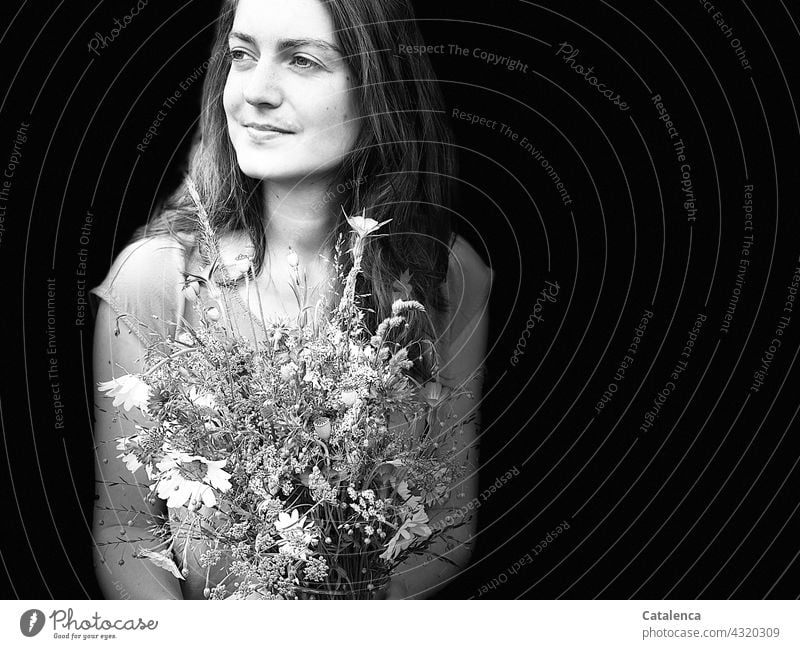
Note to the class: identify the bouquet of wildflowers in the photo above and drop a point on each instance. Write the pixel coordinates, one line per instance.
(306, 463)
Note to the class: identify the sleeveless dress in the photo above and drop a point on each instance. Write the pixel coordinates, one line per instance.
(144, 289)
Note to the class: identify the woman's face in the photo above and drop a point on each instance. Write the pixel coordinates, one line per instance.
(290, 109)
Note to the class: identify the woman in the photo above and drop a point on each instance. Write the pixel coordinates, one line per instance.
(308, 110)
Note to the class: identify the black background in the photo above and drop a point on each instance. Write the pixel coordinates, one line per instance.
(702, 504)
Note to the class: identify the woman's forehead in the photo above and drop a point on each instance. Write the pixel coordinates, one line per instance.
(268, 21)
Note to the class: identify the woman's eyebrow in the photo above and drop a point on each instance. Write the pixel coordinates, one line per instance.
(289, 43)
(243, 37)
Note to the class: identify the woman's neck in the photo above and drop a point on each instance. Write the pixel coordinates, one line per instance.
(298, 216)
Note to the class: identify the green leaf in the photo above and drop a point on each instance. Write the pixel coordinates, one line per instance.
(162, 560)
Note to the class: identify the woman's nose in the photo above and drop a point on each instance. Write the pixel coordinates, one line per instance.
(263, 87)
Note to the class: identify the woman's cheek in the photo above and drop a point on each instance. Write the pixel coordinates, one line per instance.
(229, 97)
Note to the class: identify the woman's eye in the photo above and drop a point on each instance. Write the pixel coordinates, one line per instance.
(304, 63)
(237, 55)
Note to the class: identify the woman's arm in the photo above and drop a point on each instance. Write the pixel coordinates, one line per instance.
(420, 577)
(120, 575)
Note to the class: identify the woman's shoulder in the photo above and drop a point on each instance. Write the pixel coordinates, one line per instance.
(144, 282)
(146, 264)
(469, 282)
(467, 263)
(153, 248)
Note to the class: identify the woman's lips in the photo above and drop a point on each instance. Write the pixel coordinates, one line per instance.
(264, 135)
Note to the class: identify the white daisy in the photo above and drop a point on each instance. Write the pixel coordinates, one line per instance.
(180, 485)
(295, 534)
(128, 390)
(201, 399)
(178, 491)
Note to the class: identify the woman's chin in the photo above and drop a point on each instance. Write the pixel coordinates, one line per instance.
(262, 172)
(283, 173)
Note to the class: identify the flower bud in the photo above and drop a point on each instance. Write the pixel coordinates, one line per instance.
(322, 427)
(433, 391)
(191, 290)
(212, 314)
(292, 259)
(239, 267)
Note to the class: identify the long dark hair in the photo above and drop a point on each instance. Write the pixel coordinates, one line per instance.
(401, 167)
